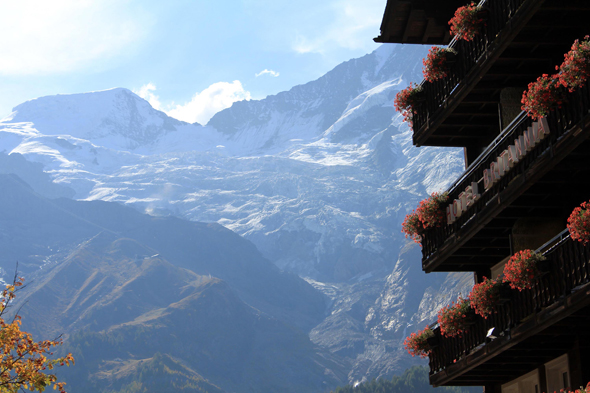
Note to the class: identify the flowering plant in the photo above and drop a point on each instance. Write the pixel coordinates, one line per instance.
(405, 101)
(466, 22)
(430, 210)
(417, 343)
(485, 296)
(578, 223)
(435, 63)
(542, 96)
(575, 69)
(582, 389)
(412, 227)
(521, 270)
(453, 319)
(428, 214)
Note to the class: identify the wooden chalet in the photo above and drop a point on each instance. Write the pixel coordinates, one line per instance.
(539, 339)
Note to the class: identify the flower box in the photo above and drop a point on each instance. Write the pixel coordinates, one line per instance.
(523, 269)
(417, 344)
(455, 319)
(578, 223)
(428, 214)
(468, 21)
(485, 297)
(406, 101)
(542, 96)
(575, 69)
(437, 62)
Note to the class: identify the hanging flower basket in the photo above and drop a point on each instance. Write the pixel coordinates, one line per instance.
(417, 344)
(428, 214)
(455, 318)
(578, 223)
(523, 269)
(436, 63)
(468, 21)
(542, 96)
(406, 100)
(485, 297)
(575, 69)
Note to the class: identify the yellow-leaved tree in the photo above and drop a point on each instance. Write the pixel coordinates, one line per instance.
(24, 363)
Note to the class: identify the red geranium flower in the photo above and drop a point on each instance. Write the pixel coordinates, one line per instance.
(575, 69)
(578, 223)
(435, 63)
(466, 22)
(452, 319)
(429, 214)
(521, 269)
(416, 344)
(485, 296)
(406, 100)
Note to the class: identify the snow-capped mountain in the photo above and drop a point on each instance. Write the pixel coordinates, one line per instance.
(319, 178)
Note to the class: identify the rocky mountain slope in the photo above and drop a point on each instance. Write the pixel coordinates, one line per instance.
(124, 307)
(319, 178)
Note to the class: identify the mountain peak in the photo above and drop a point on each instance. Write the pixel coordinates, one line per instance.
(115, 118)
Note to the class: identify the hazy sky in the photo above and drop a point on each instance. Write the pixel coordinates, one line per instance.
(189, 58)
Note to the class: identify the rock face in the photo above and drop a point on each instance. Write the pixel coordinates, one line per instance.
(319, 178)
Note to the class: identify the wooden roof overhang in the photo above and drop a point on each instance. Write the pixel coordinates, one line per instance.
(417, 21)
(465, 112)
(549, 182)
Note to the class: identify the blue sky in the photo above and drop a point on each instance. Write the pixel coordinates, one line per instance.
(189, 58)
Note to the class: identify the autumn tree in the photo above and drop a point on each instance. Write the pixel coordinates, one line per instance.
(24, 363)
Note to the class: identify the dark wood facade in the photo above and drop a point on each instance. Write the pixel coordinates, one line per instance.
(477, 107)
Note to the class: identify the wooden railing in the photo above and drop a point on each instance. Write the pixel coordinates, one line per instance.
(561, 121)
(469, 54)
(569, 267)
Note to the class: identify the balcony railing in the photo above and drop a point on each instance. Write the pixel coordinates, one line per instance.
(569, 268)
(561, 122)
(469, 53)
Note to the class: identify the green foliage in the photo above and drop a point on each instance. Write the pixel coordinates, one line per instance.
(413, 380)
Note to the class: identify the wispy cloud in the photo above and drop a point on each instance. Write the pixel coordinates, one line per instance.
(45, 37)
(267, 72)
(203, 105)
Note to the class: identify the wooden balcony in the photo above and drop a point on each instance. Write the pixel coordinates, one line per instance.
(530, 328)
(550, 180)
(522, 39)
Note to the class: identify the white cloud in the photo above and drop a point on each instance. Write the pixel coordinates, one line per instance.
(265, 71)
(40, 36)
(203, 105)
(146, 92)
(353, 25)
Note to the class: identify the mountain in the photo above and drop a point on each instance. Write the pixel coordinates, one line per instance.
(318, 178)
(131, 311)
